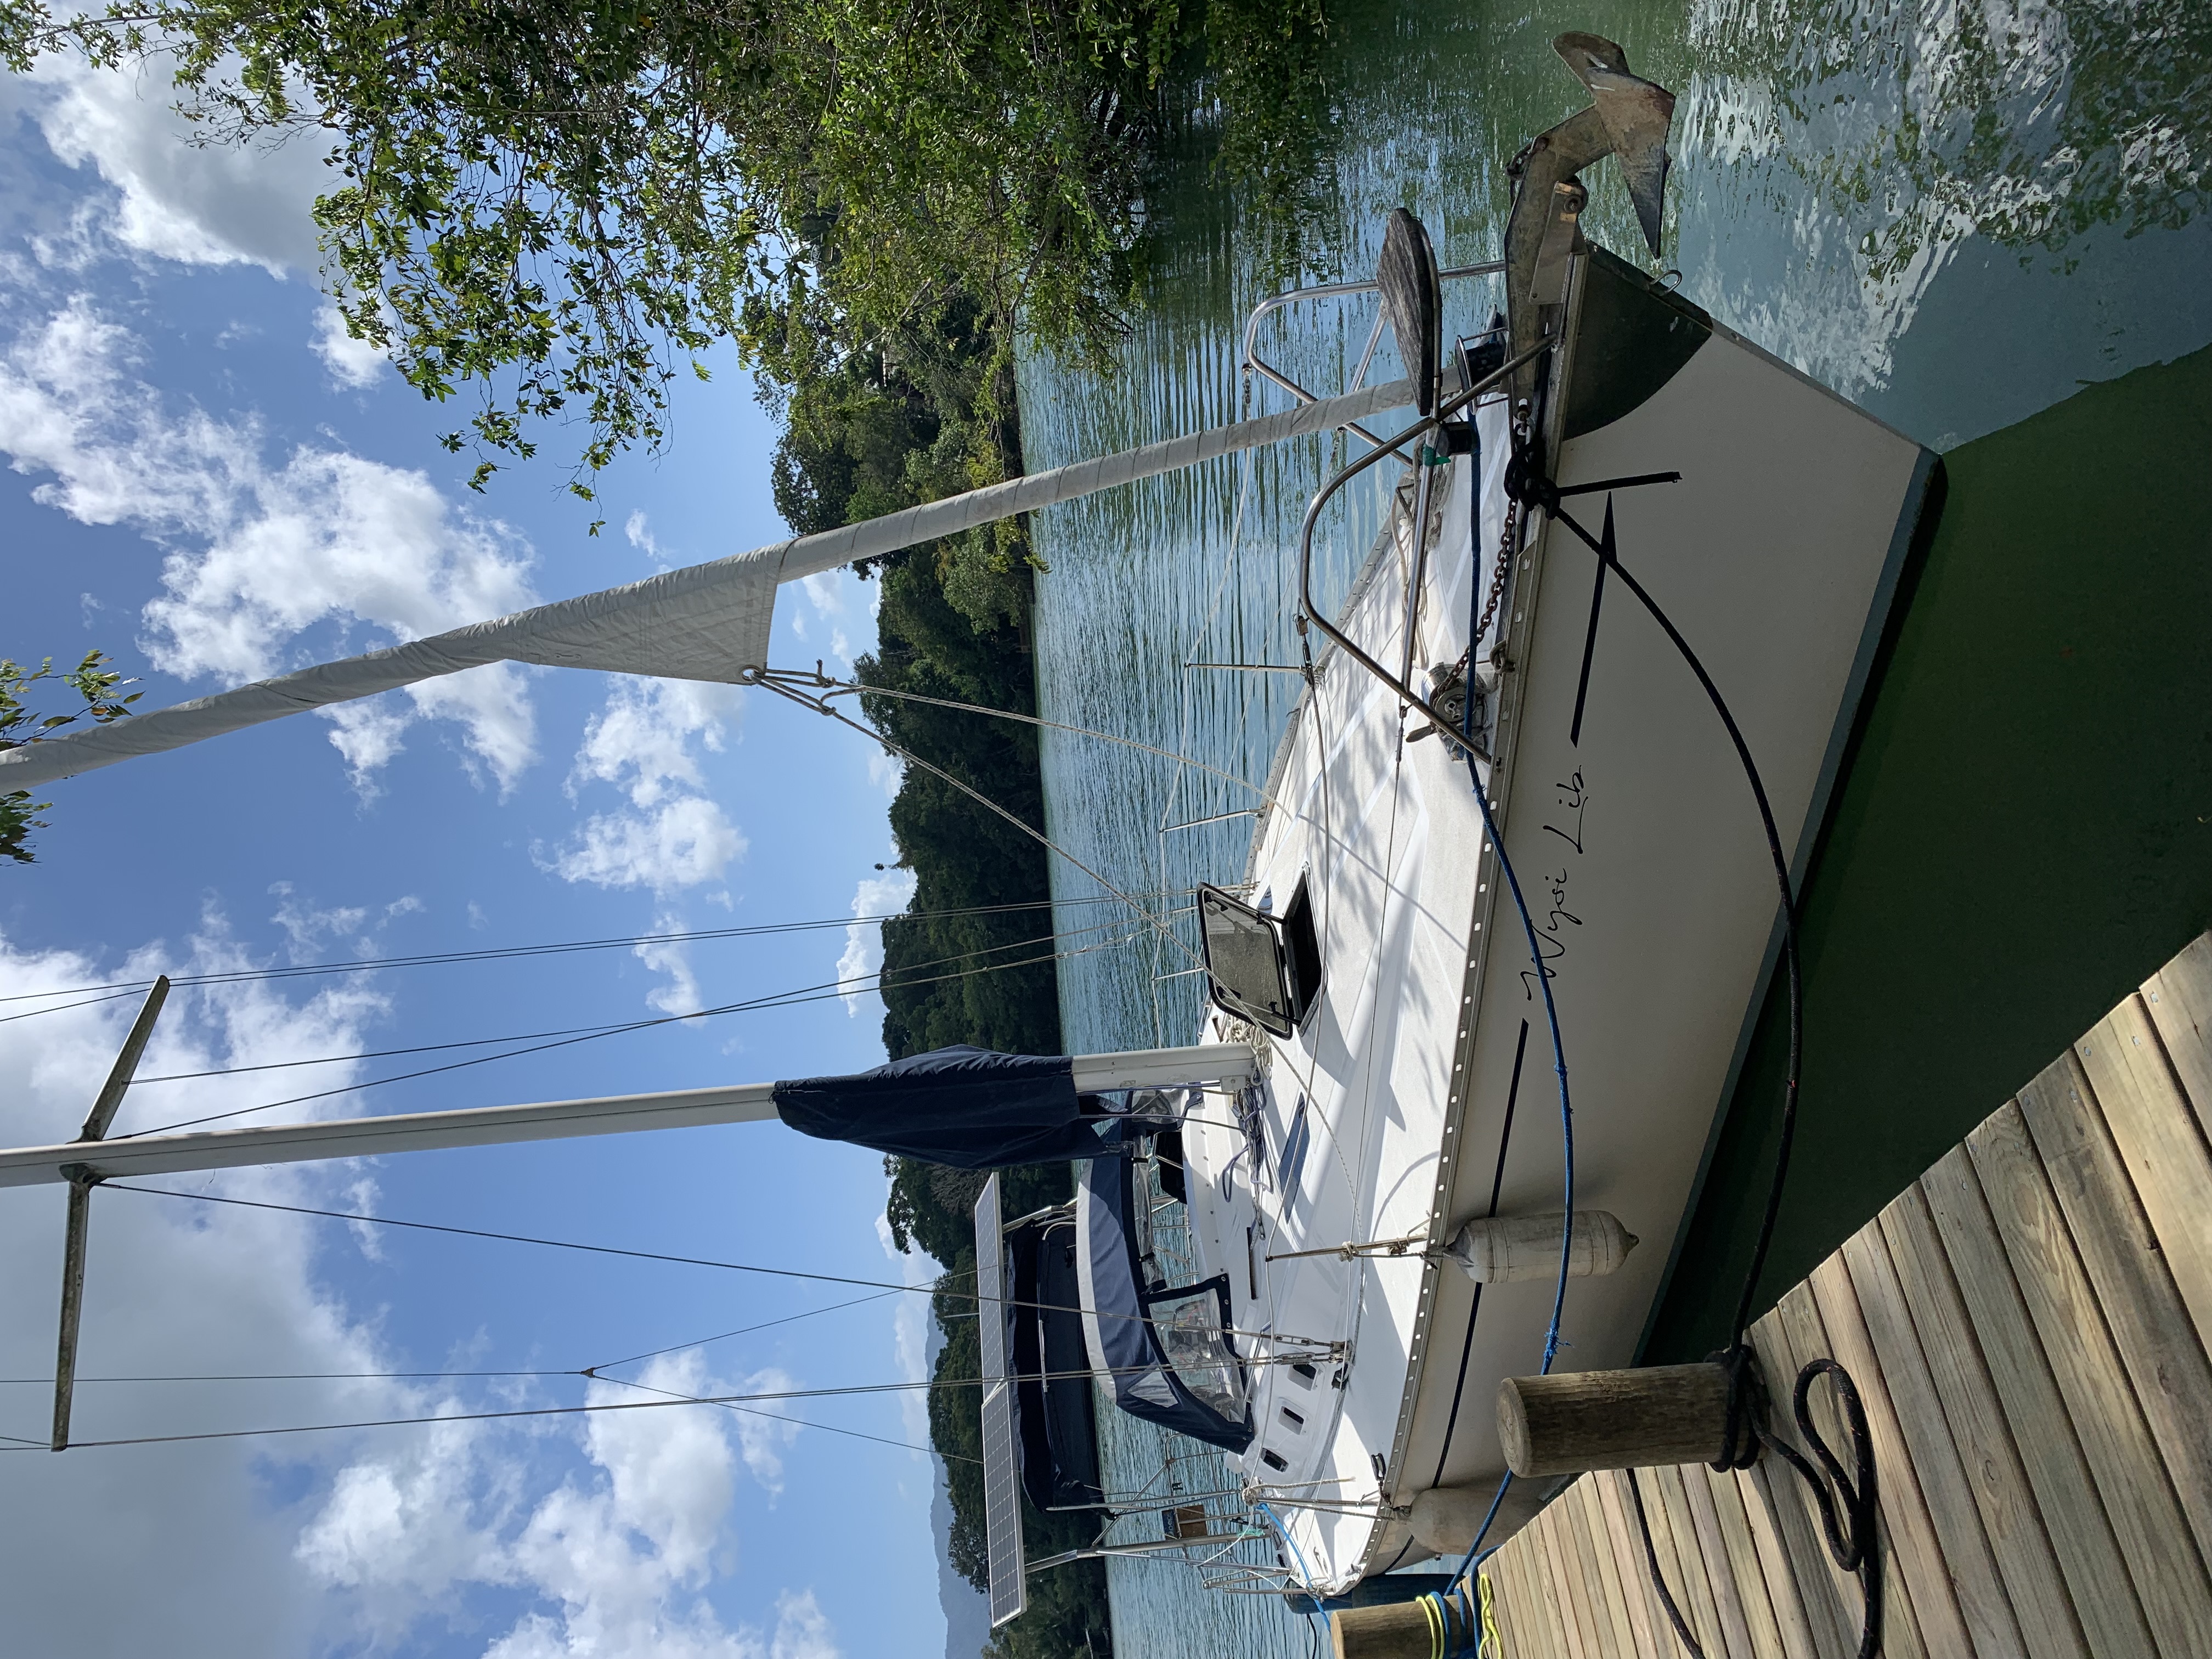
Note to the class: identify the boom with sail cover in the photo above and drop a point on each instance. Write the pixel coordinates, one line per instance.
(860, 1106)
(706, 621)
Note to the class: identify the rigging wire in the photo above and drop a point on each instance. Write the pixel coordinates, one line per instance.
(573, 1030)
(845, 1392)
(848, 688)
(821, 706)
(501, 953)
(592, 1371)
(745, 1330)
(942, 1288)
(824, 993)
(777, 1417)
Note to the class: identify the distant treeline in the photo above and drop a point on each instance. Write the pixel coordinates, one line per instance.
(923, 412)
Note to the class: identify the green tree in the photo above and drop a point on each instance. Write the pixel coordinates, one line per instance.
(560, 204)
(95, 685)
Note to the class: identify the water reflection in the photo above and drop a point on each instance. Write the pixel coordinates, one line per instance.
(1842, 157)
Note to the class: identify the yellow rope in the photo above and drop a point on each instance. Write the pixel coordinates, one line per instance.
(1436, 1626)
(1492, 1645)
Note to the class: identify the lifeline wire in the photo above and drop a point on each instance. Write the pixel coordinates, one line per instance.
(821, 707)
(849, 1391)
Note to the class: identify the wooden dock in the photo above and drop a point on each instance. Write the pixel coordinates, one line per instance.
(2027, 1325)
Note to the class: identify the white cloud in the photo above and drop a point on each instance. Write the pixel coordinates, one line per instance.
(618, 1559)
(206, 204)
(263, 551)
(615, 1558)
(306, 927)
(672, 958)
(685, 841)
(354, 364)
(639, 529)
(174, 1287)
(763, 1439)
(909, 1335)
(825, 591)
(641, 742)
(863, 957)
(886, 771)
(801, 1632)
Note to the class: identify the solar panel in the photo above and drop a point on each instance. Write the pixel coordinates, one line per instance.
(1002, 1475)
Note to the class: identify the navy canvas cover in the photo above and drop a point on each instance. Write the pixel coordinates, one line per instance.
(1124, 1346)
(969, 1108)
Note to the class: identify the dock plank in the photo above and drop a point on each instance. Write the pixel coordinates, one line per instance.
(1743, 1560)
(1629, 1566)
(1720, 1570)
(2127, 1063)
(1574, 1525)
(1694, 1589)
(2046, 1622)
(1916, 1557)
(1536, 1617)
(1953, 1508)
(1573, 1614)
(1783, 1589)
(1807, 1336)
(2179, 998)
(1510, 1605)
(1662, 1545)
(1609, 1569)
(2153, 1536)
(2049, 1447)
(1834, 1620)
(2165, 1359)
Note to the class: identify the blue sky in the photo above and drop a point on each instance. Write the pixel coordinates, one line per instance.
(212, 485)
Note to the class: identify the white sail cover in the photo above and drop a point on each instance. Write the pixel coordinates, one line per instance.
(706, 621)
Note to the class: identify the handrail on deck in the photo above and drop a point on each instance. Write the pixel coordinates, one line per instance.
(1448, 407)
(1253, 361)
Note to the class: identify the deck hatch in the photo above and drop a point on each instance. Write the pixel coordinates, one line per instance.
(1259, 968)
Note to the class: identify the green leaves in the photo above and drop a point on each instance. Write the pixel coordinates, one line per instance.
(95, 684)
(553, 206)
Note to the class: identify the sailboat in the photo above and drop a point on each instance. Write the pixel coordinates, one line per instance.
(1506, 840)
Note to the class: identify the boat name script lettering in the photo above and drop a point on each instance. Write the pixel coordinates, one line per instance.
(1573, 800)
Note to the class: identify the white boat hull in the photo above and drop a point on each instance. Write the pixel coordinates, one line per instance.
(1628, 819)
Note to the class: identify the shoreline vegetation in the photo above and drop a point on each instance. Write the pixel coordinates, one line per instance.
(919, 416)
